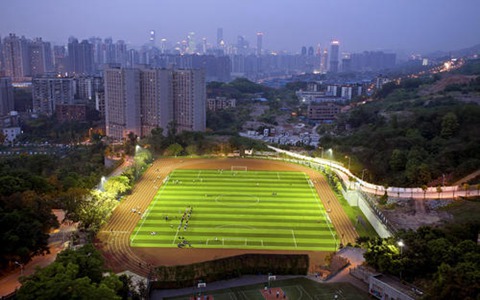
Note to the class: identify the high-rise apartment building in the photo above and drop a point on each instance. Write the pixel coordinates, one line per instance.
(157, 95)
(122, 102)
(41, 58)
(189, 100)
(80, 57)
(48, 92)
(16, 57)
(334, 56)
(139, 100)
(6, 96)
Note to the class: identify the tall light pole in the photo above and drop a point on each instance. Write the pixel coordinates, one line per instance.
(321, 155)
(21, 267)
(363, 173)
(401, 244)
(349, 160)
(330, 152)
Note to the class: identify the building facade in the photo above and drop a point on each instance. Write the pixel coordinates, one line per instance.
(139, 100)
(6, 96)
(122, 102)
(49, 91)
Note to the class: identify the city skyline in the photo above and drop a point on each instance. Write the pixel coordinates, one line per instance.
(398, 26)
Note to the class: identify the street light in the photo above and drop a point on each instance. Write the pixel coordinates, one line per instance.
(363, 173)
(349, 160)
(321, 155)
(401, 244)
(21, 267)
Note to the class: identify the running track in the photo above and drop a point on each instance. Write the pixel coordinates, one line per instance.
(113, 239)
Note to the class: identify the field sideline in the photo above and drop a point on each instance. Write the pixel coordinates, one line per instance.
(237, 209)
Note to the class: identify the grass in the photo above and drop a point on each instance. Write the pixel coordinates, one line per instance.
(363, 229)
(464, 210)
(297, 288)
(265, 210)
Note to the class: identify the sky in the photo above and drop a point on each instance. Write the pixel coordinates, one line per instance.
(410, 26)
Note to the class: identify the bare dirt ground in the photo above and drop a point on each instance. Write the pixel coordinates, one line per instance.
(113, 239)
(413, 214)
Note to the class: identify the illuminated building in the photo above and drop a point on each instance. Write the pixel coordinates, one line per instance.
(334, 56)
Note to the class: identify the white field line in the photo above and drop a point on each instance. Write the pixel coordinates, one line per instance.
(315, 195)
(294, 239)
(176, 234)
(144, 217)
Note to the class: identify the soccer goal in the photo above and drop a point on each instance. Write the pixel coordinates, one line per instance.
(239, 168)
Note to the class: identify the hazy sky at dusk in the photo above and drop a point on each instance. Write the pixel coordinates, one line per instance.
(410, 25)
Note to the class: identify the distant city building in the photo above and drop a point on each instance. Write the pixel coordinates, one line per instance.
(372, 61)
(80, 57)
(220, 103)
(138, 100)
(41, 57)
(219, 37)
(6, 96)
(60, 59)
(71, 112)
(323, 112)
(48, 92)
(10, 127)
(16, 58)
(334, 56)
(259, 43)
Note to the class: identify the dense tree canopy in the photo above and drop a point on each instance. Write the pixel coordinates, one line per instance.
(76, 274)
(448, 259)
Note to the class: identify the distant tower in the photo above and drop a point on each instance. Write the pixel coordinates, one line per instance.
(204, 46)
(191, 43)
(219, 37)
(323, 61)
(163, 46)
(16, 57)
(259, 43)
(152, 38)
(310, 51)
(334, 53)
(304, 51)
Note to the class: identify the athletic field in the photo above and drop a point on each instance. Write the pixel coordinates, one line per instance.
(236, 209)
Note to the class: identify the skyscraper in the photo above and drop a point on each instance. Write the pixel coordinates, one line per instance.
(334, 56)
(152, 38)
(219, 37)
(259, 43)
(17, 63)
(6, 96)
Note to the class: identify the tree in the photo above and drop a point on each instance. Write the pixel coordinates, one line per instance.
(449, 125)
(76, 274)
(424, 189)
(117, 185)
(173, 150)
(439, 190)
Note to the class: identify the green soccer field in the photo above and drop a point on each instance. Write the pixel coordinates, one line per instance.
(265, 210)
